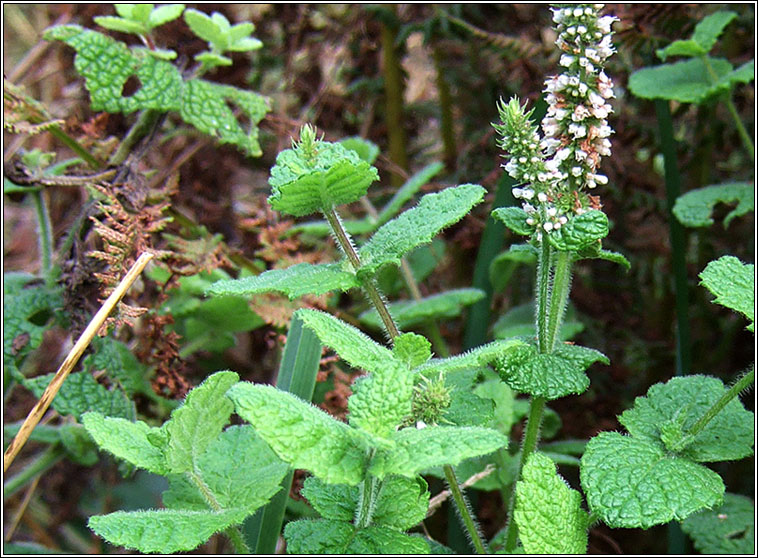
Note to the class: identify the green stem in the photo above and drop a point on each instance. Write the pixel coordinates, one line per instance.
(544, 265)
(528, 445)
(369, 491)
(393, 89)
(45, 236)
(463, 509)
(747, 142)
(369, 286)
(559, 296)
(715, 409)
(238, 541)
(49, 457)
(139, 129)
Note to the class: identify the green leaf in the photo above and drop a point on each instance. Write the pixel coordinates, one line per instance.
(744, 74)
(127, 440)
(519, 322)
(418, 226)
(205, 105)
(474, 358)
(596, 252)
(402, 502)
(631, 482)
(688, 81)
(294, 281)
(118, 361)
(412, 313)
(107, 64)
(164, 14)
(317, 536)
(213, 59)
(241, 470)
(382, 400)
(204, 27)
(552, 375)
(352, 345)
(706, 33)
(548, 513)
(503, 266)
(162, 531)
(419, 449)
(728, 436)
(198, 422)
(384, 540)
(581, 231)
(367, 150)
(408, 190)
(331, 501)
(728, 529)
(81, 393)
(412, 349)
(316, 175)
(245, 44)
(733, 284)
(515, 219)
(240, 31)
(121, 25)
(141, 12)
(302, 435)
(695, 208)
(25, 305)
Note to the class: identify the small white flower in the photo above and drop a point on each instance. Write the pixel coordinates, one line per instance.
(522, 160)
(556, 226)
(563, 154)
(578, 12)
(527, 193)
(542, 197)
(517, 193)
(552, 212)
(601, 179)
(577, 130)
(580, 113)
(529, 208)
(581, 29)
(567, 60)
(577, 171)
(529, 221)
(580, 155)
(420, 424)
(563, 219)
(547, 226)
(605, 22)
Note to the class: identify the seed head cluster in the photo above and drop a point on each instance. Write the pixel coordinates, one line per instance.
(556, 172)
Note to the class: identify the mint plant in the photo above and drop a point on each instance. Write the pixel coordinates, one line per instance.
(107, 64)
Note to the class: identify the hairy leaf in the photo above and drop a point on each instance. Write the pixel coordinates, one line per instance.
(351, 344)
(631, 482)
(552, 375)
(596, 252)
(402, 502)
(727, 529)
(198, 422)
(241, 470)
(127, 440)
(331, 501)
(581, 231)
(367, 150)
(515, 219)
(695, 208)
(411, 313)
(162, 531)
(419, 449)
(733, 284)
(107, 64)
(382, 400)
(377, 539)
(295, 281)
(118, 361)
(474, 358)
(412, 349)
(680, 402)
(687, 82)
(81, 393)
(418, 226)
(317, 176)
(302, 435)
(318, 536)
(548, 513)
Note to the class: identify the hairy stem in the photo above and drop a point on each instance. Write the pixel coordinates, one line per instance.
(744, 382)
(369, 286)
(146, 119)
(369, 491)
(544, 265)
(463, 509)
(558, 297)
(234, 533)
